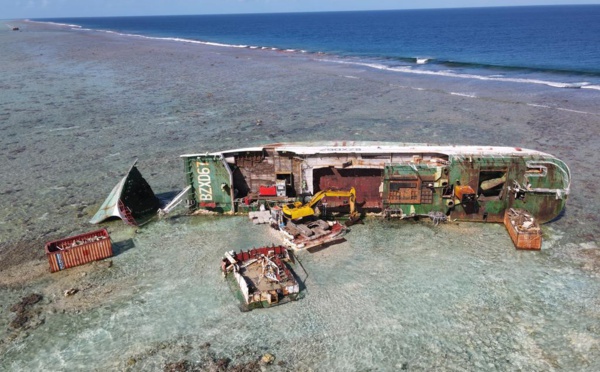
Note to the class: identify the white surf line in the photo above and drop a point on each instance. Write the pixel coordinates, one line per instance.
(595, 87)
(488, 98)
(562, 109)
(54, 23)
(463, 95)
(452, 74)
(576, 111)
(64, 128)
(183, 40)
(406, 69)
(474, 96)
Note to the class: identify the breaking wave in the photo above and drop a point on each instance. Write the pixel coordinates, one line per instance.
(55, 23)
(464, 75)
(177, 39)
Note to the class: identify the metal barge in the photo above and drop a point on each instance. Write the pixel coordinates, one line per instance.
(261, 277)
(469, 183)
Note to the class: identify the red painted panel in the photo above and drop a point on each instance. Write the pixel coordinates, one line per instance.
(267, 191)
(366, 182)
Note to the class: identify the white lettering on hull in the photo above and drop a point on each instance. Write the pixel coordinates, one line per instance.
(204, 182)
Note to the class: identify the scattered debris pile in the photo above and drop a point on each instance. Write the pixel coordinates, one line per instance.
(222, 365)
(217, 365)
(259, 217)
(312, 234)
(76, 243)
(262, 276)
(251, 359)
(306, 233)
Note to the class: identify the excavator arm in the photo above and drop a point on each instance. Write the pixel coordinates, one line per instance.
(295, 212)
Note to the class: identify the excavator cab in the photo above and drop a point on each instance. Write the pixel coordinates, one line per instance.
(296, 204)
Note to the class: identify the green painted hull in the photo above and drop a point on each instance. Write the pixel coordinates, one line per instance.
(404, 180)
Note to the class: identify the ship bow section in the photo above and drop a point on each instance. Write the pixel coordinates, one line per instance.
(210, 178)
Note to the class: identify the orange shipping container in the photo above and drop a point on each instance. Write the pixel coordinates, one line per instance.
(78, 250)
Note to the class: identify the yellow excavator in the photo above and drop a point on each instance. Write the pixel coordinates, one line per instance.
(298, 210)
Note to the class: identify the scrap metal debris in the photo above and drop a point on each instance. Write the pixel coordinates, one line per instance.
(71, 292)
(260, 217)
(437, 217)
(77, 243)
(130, 200)
(262, 276)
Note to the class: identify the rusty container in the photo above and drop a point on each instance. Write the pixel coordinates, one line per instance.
(464, 193)
(529, 238)
(78, 250)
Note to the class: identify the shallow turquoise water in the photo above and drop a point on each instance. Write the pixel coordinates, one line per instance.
(394, 294)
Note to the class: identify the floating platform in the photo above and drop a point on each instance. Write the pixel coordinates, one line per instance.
(261, 277)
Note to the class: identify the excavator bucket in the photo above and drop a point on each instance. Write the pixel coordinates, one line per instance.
(353, 220)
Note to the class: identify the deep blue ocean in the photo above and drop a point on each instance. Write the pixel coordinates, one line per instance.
(558, 45)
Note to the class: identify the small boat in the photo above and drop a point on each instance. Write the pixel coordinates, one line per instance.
(261, 277)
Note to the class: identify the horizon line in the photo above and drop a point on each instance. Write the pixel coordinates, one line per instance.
(307, 12)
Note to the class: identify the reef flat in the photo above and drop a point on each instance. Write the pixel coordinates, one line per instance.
(77, 107)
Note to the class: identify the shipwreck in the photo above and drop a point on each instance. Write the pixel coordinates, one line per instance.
(465, 183)
(306, 186)
(470, 183)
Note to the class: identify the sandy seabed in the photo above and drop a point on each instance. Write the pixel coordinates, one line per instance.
(78, 107)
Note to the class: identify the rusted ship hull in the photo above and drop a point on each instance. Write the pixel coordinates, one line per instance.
(468, 183)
